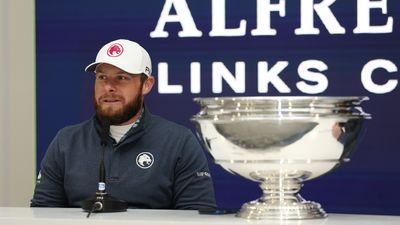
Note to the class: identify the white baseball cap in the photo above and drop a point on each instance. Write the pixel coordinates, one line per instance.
(124, 54)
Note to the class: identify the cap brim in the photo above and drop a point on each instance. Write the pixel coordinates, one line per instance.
(92, 67)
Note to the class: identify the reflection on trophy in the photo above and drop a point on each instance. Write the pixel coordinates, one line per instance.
(280, 142)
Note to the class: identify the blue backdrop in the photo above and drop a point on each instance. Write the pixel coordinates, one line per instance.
(69, 34)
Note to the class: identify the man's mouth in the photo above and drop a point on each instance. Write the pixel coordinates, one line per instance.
(110, 100)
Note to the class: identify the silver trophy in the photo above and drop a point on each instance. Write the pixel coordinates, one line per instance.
(280, 142)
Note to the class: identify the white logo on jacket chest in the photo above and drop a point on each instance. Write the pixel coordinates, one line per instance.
(144, 160)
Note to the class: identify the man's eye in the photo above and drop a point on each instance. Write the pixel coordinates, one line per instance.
(101, 77)
(123, 78)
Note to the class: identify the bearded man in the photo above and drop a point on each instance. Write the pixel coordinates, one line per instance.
(149, 162)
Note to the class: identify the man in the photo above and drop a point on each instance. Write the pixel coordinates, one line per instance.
(150, 162)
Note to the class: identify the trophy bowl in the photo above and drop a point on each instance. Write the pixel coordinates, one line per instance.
(280, 142)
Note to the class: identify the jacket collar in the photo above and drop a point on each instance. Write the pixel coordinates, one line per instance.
(133, 134)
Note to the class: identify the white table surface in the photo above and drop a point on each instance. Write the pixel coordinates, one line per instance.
(75, 216)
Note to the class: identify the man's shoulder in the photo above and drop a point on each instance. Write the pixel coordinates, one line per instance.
(161, 123)
(82, 127)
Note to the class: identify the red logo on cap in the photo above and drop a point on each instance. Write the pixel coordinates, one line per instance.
(115, 50)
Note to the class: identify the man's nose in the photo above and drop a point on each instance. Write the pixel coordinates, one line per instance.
(110, 86)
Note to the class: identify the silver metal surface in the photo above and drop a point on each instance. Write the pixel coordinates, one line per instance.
(280, 142)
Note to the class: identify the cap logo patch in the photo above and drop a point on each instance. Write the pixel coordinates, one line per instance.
(115, 50)
(147, 70)
(144, 160)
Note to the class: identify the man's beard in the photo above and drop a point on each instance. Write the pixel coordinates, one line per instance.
(122, 115)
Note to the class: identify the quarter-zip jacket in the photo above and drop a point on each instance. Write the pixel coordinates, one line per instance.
(173, 174)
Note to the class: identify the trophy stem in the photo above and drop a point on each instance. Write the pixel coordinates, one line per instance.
(280, 199)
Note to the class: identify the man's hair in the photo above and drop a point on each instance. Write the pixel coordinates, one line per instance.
(143, 78)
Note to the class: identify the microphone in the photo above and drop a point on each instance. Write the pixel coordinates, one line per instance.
(103, 202)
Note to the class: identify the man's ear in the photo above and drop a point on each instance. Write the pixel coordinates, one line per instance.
(148, 85)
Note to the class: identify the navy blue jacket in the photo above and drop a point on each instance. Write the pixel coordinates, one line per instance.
(158, 164)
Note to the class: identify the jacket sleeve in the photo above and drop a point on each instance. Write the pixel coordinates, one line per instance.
(49, 190)
(193, 187)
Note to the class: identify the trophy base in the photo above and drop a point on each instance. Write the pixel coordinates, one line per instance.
(287, 210)
(280, 199)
